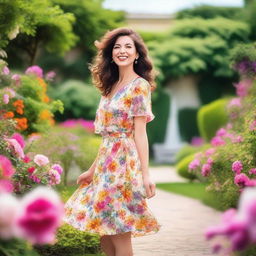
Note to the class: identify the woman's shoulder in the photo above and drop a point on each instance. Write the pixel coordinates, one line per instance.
(141, 83)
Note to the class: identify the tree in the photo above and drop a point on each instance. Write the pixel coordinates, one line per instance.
(38, 24)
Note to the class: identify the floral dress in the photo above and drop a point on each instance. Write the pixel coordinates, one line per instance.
(115, 201)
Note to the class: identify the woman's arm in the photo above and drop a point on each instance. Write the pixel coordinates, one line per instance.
(141, 141)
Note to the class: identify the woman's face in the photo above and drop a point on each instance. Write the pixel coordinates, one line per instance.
(124, 51)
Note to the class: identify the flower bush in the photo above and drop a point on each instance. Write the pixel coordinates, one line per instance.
(24, 99)
(238, 226)
(33, 218)
(229, 165)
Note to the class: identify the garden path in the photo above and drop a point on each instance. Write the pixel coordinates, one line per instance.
(183, 222)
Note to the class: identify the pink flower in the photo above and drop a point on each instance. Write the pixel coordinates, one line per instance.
(237, 139)
(6, 98)
(253, 126)
(251, 183)
(35, 70)
(18, 151)
(6, 168)
(197, 141)
(41, 160)
(210, 161)
(194, 164)
(229, 126)
(58, 168)
(235, 102)
(54, 177)
(6, 186)
(217, 141)
(35, 179)
(221, 132)
(10, 92)
(252, 171)
(40, 216)
(242, 87)
(26, 159)
(31, 169)
(210, 151)
(9, 205)
(19, 139)
(5, 70)
(206, 169)
(16, 78)
(50, 75)
(241, 180)
(237, 167)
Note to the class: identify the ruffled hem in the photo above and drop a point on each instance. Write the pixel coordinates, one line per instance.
(134, 232)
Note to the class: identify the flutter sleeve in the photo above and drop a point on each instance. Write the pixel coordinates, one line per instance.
(141, 100)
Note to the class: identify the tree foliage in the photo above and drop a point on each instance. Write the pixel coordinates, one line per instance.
(37, 23)
(197, 46)
(210, 12)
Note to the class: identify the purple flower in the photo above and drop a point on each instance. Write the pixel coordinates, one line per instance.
(54, 177)
(197, 141)
(35, 70)
(237, 167)
(58, 168)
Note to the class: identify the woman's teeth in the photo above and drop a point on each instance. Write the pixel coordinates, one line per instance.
(122, 58)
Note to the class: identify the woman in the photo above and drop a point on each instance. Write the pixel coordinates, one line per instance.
(111, 198)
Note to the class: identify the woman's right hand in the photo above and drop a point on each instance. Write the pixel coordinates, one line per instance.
(85, 177)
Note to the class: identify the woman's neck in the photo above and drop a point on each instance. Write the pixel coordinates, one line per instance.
(126, 73)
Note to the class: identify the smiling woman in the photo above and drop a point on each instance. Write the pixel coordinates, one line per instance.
(111, 198)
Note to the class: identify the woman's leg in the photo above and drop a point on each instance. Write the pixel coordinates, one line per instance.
(123, 244)
(107, 245)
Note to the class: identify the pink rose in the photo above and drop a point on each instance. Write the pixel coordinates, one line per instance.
(6, 168)
(237, 167)
(40, 215)
(41, 160)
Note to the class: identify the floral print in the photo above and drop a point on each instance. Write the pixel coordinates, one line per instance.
(115, 201)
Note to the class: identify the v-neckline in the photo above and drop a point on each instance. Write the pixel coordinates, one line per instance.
(123, 87)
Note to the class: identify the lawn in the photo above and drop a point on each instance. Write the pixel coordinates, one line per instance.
(191, 189)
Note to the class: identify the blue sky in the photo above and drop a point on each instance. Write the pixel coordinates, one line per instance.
(164, 6)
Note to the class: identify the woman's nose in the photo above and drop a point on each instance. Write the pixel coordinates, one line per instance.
(122, 50)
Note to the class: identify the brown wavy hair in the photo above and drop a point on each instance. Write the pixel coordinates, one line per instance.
(105, 72)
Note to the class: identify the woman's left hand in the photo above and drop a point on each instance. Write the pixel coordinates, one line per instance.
(150, 187)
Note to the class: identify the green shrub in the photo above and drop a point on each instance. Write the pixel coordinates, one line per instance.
(182, 167)
(80, 100)
(187, 123)
(188, 150)
(211, 117)
(70, 242)
(67, 145)
(16, 247)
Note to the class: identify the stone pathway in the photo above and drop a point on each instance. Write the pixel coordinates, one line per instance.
(183, 222)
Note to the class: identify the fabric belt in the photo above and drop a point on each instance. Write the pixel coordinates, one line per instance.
(117, 134)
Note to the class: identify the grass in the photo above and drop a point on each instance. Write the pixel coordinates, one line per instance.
(193, 190)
